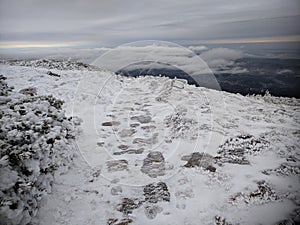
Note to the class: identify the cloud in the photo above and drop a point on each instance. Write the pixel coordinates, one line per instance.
(109, 23)
(222, 60)
(198, 48)
(222, 53)
(86, 55)
(221, 56)
(161, 53)
(218, 60)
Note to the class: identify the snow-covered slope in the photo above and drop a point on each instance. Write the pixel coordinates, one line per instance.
(158, 151)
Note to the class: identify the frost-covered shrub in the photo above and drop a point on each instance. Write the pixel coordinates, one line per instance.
(180, 125)
(35, 140)
(236, 149)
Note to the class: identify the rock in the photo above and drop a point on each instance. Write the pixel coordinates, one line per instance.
(198, 159)
(76, 120)
(154, 164)
(146, 141)
(29, 91)
(116, 190)
(221, 221)
(123, 147)
(142, 118)
(117, 165)
(156, 192)
(148, 128)
(111, 123)
(107, 124)
(211, 168)
(184, 194)
(100, 144)
(53, 74)
(126, 132)
(130, 151)
(124, 221)
(95, 173)
(180, 206)
(128, 205)
(4, 100)
(152, 210)
(134, 125)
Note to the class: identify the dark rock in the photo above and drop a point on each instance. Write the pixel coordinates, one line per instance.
(203, 160)
(112, 221)
(117, 165)
(128, 205)
(110, 123)
(29, 91)
(50, 141)
(156, 192)
(100, 144)
(142, 118)
(221, 221)
(211, 168)
(126, 132)
(124, 221)
(154, 164)
(151, 211)
(107, 124)
(146, 141)
(148, 128)
(53, 74)
(116, 190)
(130, 151)
(123, 147)
(134, 125)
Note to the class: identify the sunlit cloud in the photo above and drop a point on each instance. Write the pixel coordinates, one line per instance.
(292, 38)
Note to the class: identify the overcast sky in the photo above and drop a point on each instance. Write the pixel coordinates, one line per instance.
(112, 22)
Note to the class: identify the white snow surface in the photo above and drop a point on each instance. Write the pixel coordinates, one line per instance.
(125, 119)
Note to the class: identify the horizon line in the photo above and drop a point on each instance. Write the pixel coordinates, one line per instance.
(25, 45)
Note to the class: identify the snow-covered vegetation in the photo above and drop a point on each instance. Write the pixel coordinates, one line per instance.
(35, 143)
(51, 64)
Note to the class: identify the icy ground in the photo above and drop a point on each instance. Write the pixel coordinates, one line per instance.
(157, 151)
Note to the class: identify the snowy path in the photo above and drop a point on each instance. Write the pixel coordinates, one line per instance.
(136, 133)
